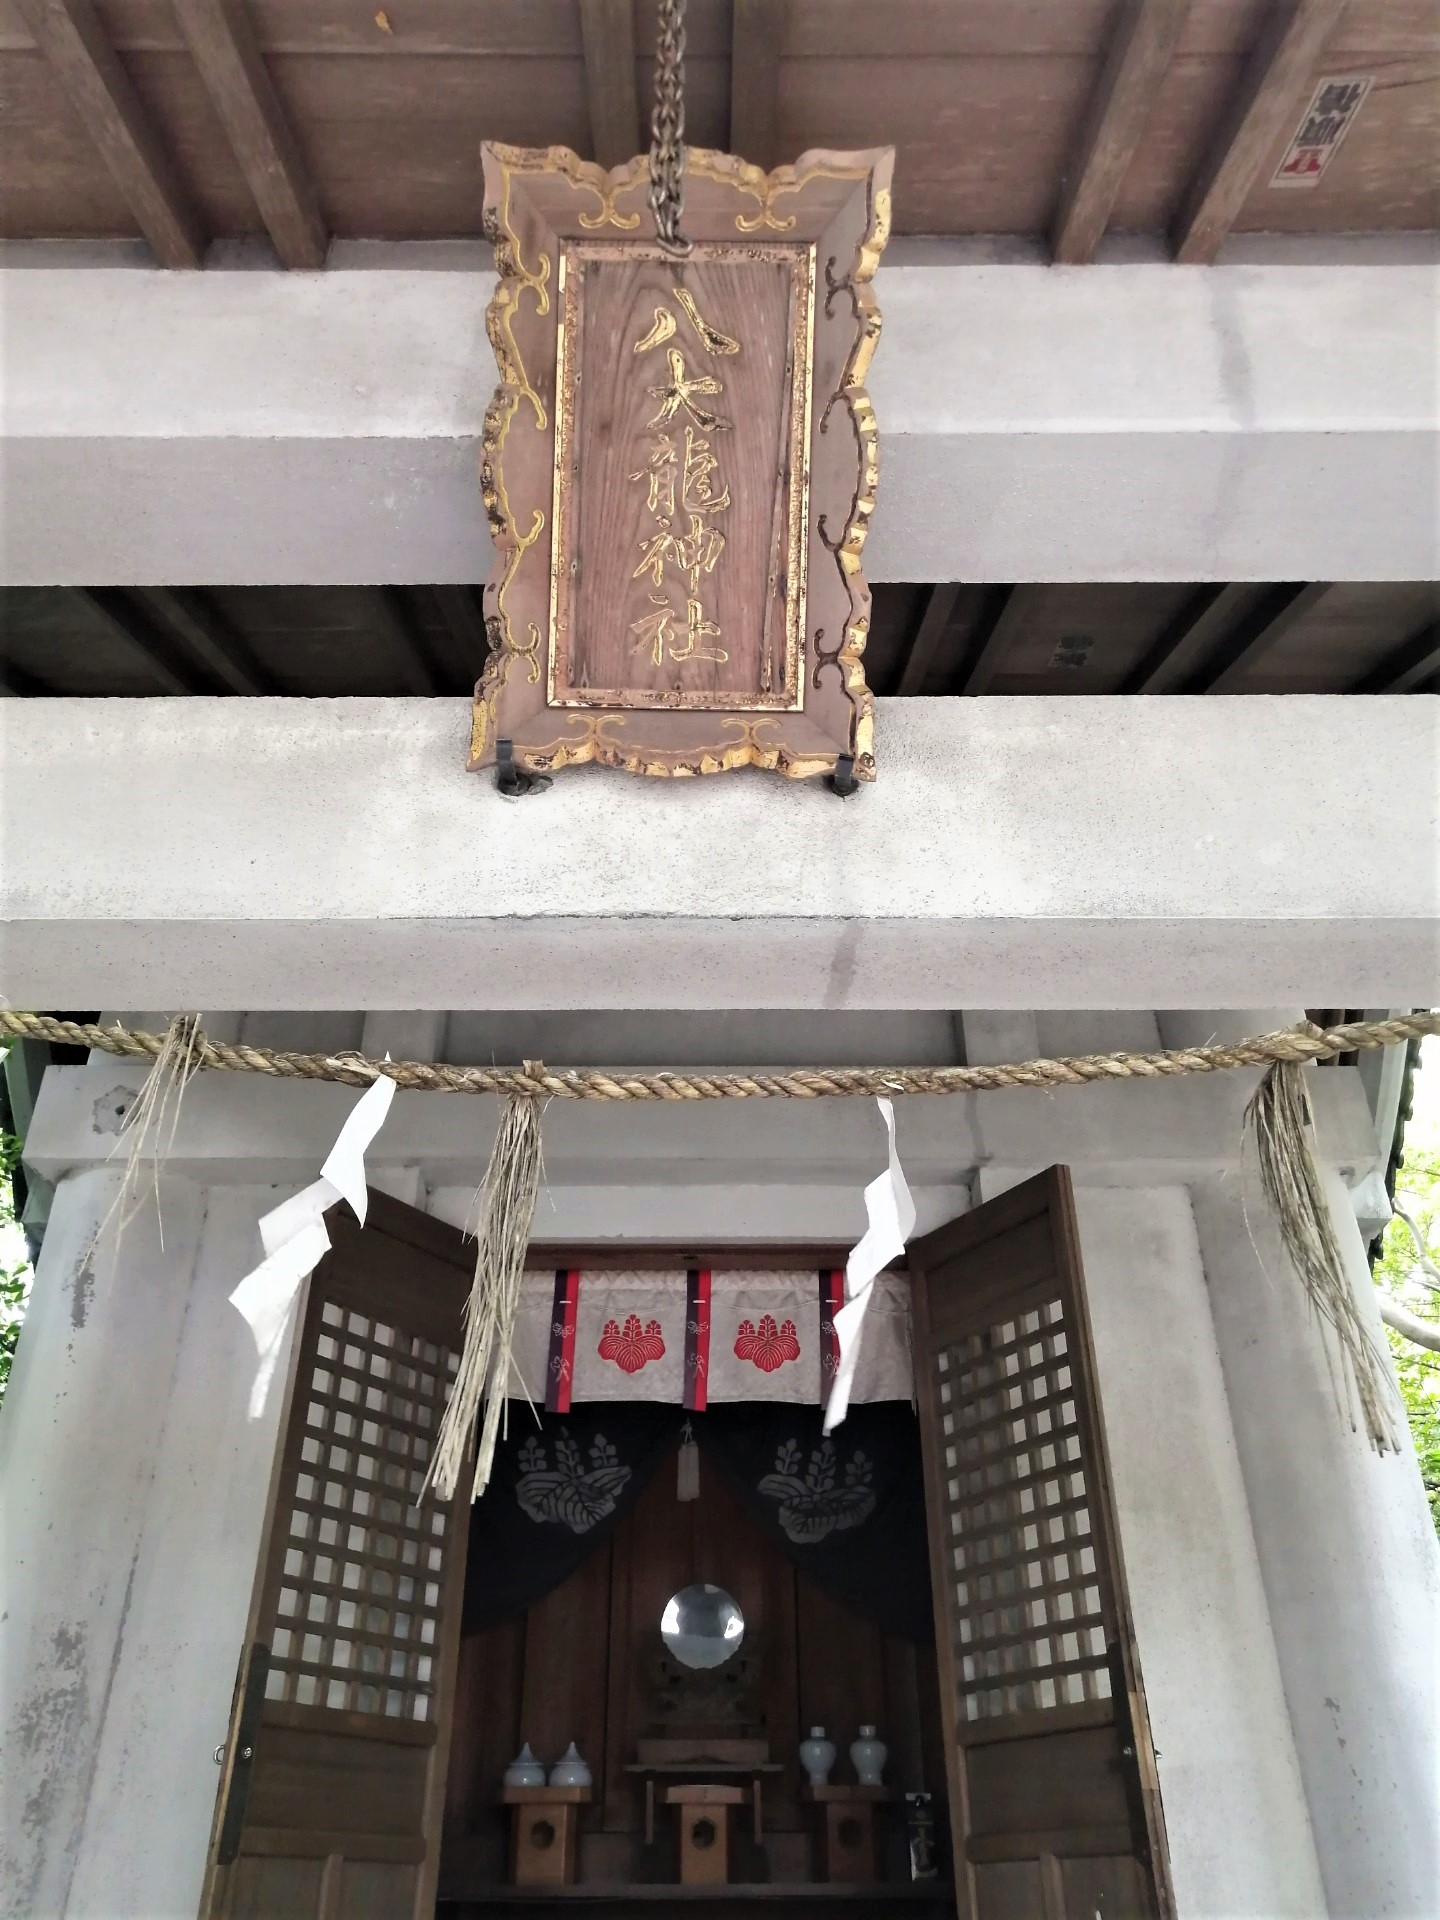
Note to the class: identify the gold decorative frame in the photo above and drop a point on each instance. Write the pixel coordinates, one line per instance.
(828, 216)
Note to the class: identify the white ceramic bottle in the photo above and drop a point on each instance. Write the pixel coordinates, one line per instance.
(817, 1756)
(525, 1770)
(868, 1755)
(570, 1770)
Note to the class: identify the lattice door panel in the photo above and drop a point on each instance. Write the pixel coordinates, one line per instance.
(1029, 1622)
(1048, 1757)
(334, 1777)
(357, 1611)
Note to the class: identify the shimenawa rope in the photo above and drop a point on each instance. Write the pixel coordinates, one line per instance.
(1297, 1044)
(1279, 1116)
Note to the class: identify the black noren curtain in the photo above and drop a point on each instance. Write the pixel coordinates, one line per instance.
(557, 1492)
(849, 1511)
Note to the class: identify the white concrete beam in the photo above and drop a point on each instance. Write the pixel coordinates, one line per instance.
(1131, 422)
(1019, 852)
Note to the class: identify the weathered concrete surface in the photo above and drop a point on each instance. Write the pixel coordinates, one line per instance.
(133, 1488)
(1056, 852)
(1350, 1564)
(1133, 422)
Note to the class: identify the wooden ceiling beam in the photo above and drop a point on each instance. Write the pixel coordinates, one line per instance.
(1139, 56)
(1275, 87)
(757, 33)
(396, 621)
(18, 682)
(138, 639)
(465, 622)
(205, 634)
(1409, 668)
(227, 56)
(1006, 622)
(88, 69)
(925, 641)
(1252, 637)
(608, 32)
(1184, 638)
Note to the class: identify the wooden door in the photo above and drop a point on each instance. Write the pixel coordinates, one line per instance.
(334, 1773)
(1054, 1808)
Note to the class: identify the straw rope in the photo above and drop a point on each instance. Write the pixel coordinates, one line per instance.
(1295, 1044)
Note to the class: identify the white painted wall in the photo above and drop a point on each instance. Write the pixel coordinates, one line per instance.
(1184, 851)
(1236, 1819)
(133, 1486)
(1351, 1569)
(1141, 421)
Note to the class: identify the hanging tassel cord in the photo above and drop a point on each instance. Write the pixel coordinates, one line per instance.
(1293, 1044)
(1281, 1122)
(502, 1237)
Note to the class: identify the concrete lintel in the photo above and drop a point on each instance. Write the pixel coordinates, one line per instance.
(1014, 853)
(1140, 421)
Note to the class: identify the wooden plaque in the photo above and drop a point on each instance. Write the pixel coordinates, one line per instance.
(679, 465)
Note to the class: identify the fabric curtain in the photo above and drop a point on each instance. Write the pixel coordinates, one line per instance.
(848, 1511)
(557, 1492)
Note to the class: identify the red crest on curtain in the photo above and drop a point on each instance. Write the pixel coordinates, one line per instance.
(633, 1347)
(767, 1345)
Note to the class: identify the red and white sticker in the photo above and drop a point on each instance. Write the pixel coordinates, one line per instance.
(1323, 125)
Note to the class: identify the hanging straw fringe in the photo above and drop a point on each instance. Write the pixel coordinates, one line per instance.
(150, 1126)
(502, 1238)
(1283, 1123)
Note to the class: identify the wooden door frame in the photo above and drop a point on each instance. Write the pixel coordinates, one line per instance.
(1050, 1195)
(397, 1221)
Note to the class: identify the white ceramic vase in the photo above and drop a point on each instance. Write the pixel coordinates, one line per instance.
(868, 1755)
(525, 1770)
(570, 1770)
(817, 1756)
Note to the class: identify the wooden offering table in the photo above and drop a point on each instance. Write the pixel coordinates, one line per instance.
(544, 1822)
(849, 1828)
(704, 1813)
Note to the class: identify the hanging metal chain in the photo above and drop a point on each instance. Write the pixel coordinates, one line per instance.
(667, 129)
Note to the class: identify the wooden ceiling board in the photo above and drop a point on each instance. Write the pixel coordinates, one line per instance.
(980, 144)
(68, 646)
(1385, 174)
(1224, 29)
(174, 96)
(1356, 625)
(394, 145)
(53, 183)
(925, 30)
(1189, 104)
(1386, 27)
(435, 28)
(1085, 639)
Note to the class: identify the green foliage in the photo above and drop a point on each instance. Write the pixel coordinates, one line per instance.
(15, 1274)
(1416, 1368)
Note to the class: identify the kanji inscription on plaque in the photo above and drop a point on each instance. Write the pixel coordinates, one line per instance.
(679, 466)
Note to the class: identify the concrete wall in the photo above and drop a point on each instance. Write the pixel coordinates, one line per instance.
(133, 1486)
(1143, 421)
(335, 854)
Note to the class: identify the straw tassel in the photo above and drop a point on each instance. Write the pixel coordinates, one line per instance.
(502, 1238)
(148, 1129)
(687, 1468)
(1282, 1120)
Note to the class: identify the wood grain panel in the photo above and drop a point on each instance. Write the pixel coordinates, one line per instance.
(53, 184)
(980, 144)
(624, 421)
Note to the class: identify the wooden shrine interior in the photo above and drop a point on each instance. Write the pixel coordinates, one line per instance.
(576, 1667)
